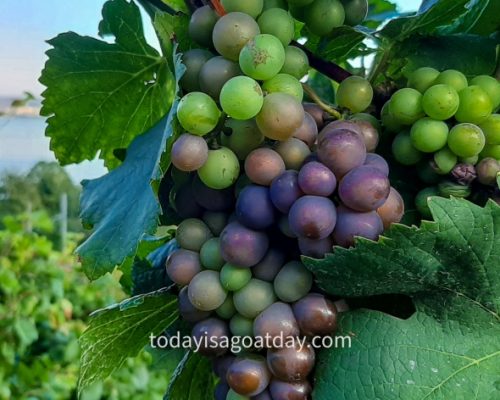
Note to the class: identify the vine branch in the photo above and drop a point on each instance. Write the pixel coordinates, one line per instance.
(324, 106)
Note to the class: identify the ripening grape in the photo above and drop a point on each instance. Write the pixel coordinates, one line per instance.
(242, 246)
(182, 265)
(316, 112)
(254, 298)
(370, 135)
(189, 152)
(445, 160)
(221, 169)
(193, 60)
(315, 315)
(241, 98)
(248, 376)
(285, 190)
(352, 223)
(308, 131)
(281, 115)
(192, 233)
(466, 140)
(197, 113)
(423, 78)
(296, 62)
(241, 326)
(406, 106)
(293, 282)
(422, 200)
(491, 129)
(215, 73)
(206, 292)
(286, 391)
(355, 11)
(212, 332)
(212, 199)
(404, 151)
(241, 137)
(269, 266)
(284, 83)
(275, 321)
(340, 124)
(316, 248)
(279, 23)
(187, 311)
(263, 165)
(210, 255)
(429, 135)
(322, 16)
(487, 170)
(250, 7)
(392, 210)
(355, 93)
(388, 121)
(313, 217)
(254, 208)
(293, 151)
(377, 161)
(491, 86)
(232, 32)
(226, 310)
(201, 25)
(440, 102)
(291, 364)
(475, 105)
(373, 121)
(262, 57)
(316, 179)
(234, 278)
(453, 78)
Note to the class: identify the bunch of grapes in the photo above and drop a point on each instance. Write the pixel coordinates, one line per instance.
(446, 126)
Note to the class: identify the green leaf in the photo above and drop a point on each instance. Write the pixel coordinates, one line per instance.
(343, 41)
(169, 27)
(122, 206)
(122, 331)
(192, 380)
(177, 5)
(100, 95)
(481, 18)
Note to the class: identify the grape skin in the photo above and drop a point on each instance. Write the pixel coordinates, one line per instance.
(312, 217)
(242, 246)
(351, 223)
(285, 190)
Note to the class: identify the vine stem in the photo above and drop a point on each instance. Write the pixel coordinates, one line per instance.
(325, 107)
(377, 70)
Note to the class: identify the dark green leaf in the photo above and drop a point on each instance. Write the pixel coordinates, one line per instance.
(481, 18)
(166, 359)
(341, 43)
(322, 86)
(378, 12)
(169, 27)
(177, 5)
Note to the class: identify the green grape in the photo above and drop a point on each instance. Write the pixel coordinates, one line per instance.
(250, 7)
(429, 135)
(299, 3)
(221, 169)
(445, 160)
(241, 98)
(453, 78)
(284, 83)
(241, 326)
(491, 150)
(197, 113)
(296, 62)
(243, 138)
(466, 140)
(491, 129)
(422, 78)
(234, 278)
(404, 151)
(275, 4)
(277, 22)
(193, 60)
(210, 254)
(422, 200)
(355, 93)
(262, 57)
(470, 160)
(406, 106)
(440, 102)
(321, 16)
(388, 121)
(475, 105)
(491, 86)
(355, 11)
(227, 309)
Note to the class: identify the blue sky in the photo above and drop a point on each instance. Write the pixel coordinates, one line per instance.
(26, 24)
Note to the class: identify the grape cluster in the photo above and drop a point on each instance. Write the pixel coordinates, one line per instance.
(446, 126)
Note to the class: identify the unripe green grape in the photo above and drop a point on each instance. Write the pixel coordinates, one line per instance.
(226, 310)
(445, 160)
(422, 200)
(475, 105)
(241, 326)
(197, 113)
(422, 78)
(299, 3)
(388, 121)
(244, 136)
(234, 278)
(355, 11)
(193, 60)
(192, 233)
(404, 151)
(221, 169)
(205, 291)
(296, 62)
(293, 282)
(322, 16)
(491, 150)
(262, 57)
(254, 298)
(453, 78)
(429, 135)
(440, 102)
(469, 160)
(466, 140)
(241, 98)
(277, 22)
(491, 86)
(275, 4)
(406, 106)
(215, 73)
(210, 254)
(250, 7)
(293, 151)
(355, 93)
(491, 129)
(284, 83)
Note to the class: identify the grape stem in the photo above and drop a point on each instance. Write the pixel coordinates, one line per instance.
(324, 106)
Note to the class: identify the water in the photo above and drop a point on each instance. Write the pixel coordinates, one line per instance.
(23, 144)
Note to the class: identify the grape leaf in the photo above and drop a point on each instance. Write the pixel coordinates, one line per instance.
(343, 41)
(121, 331)
(481, 18)
(99, 96)
(177, 5)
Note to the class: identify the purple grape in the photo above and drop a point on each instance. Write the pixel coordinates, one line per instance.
(285, 190)
(316, 112)
(220, 365)
(254, 208)
(212, 199)
(316, 315)
(182, 265)
(265, 395)
(341, 150)
(189, 312)
(316, 248)
(242, 246)
(269, 266)
(376, 161)
(392, 210)
(364, 188)
(369, 134)
(351, 223)
(212, 334)
(310, 158)
(291, 364)
(221, 390)
(312, 217)
(249, 376)
(308, 131)
(340, 124)
(290, 391)
(275, 321)
(316, 179)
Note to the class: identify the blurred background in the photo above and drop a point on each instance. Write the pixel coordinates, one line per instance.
(44, 297)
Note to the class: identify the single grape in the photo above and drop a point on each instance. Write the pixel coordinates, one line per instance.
(308, 131)
(351, 223)
(374, 122)
(315, 248)
(216, 221)
(440, 102)
(193, 60)
(241, 136)
(377, 161)
(226, 310)
(285, 190)
(370, 135)
(315, 315)
(422, 78)
(291, 364)
(262, 57)
(293, 282)
(280, 116)
(290, 391)
(296, 62)
(491, 150)
(355, 93)
(212, 335)
(312, 217)
(254, 208)
(242, 246)
(403, 150)
(206, 292)
(192, 233)
(185, 203)
(248, 375)
(475, 105)
(232, 32)
(491, 86)
(187, 311)
(293, 151)
(316, 112)
(250, 7)
(444, 161)
(453, 78)
(322, 16)
(189, 152)
(422, 199)
(316, 179)
(254, 298)
(487, 170)
(388, 121)
(340, 124)
(210, 255)
(276, 321)
(215, 73)
(241, 326)
(406, 106)
(197, 113)
(392, 210)
(466, 140)
(263, 165)
(355, 11)
(182, 265)
(201, 25)
(284, 83)
(221, 169)
(470, 160)
(429, 135)
(234, 278)
(212, 199)
(279, 23)
(491, 129)
(269, 266)
(241, 98)
(275, 4)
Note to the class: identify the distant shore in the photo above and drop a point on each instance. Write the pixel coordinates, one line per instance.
(31, 109)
